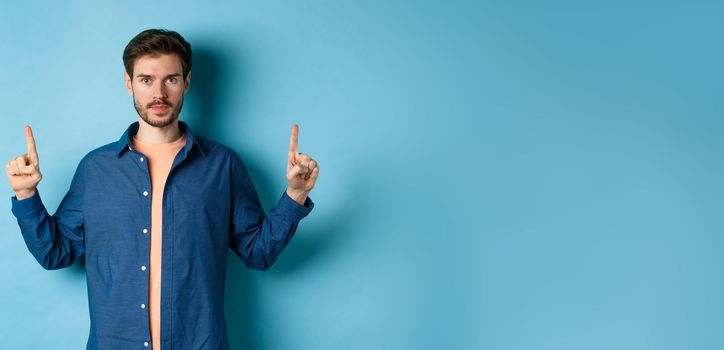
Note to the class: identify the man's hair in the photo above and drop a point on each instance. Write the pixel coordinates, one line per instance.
(156, 42)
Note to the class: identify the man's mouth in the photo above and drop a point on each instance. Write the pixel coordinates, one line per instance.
(159, 107)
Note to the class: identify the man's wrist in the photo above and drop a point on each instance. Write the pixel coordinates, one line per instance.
(20, 195)
(298, 196)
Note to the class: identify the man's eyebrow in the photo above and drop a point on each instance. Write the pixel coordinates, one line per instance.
(149, 76)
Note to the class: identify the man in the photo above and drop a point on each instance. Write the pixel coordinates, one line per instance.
(153, 213)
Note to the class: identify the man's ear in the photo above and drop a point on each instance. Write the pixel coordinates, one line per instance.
(127, 79)
(187, 82)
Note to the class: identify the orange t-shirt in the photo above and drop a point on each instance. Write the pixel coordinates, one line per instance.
(160, 157)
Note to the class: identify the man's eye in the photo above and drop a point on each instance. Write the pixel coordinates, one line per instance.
(145, 80)
(172, 80)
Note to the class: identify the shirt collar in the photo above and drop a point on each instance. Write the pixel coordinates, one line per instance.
(124, 143)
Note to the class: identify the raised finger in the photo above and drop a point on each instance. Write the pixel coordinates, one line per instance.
(30, 140)
(293, 139)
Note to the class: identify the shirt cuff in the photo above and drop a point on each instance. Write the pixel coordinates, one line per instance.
(28, 207)
(292, 210)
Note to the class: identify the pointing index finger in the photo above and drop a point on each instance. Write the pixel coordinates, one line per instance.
(293, 139)
(30, 140)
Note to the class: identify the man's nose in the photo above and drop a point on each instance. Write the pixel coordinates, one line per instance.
(159, 90)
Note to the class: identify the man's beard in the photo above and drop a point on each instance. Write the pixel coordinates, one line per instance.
(161, 122)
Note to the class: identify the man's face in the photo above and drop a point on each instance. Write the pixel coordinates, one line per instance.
(158, 88)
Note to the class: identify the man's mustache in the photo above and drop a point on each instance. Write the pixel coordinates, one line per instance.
(158, 103)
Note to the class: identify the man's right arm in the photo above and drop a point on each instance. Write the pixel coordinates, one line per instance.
(55, 241)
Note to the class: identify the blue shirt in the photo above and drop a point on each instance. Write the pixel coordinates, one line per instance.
(209, 204)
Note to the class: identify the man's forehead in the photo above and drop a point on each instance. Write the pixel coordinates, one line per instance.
(157, 64)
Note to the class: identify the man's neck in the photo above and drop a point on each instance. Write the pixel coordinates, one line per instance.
(155, 135)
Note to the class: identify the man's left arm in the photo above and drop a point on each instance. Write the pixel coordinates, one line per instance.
(255, 237)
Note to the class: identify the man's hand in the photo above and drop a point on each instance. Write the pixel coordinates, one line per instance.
(302, 170)
(24, 171)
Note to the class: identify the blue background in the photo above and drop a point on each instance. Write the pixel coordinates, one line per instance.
(494, 175)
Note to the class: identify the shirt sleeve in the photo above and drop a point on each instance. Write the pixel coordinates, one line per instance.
(55, 241)
(258, 238)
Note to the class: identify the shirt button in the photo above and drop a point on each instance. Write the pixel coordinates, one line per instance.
(145, 193)
(142, 159)
(145, 344)
(143, 306)
(143, 268)
(145, 230)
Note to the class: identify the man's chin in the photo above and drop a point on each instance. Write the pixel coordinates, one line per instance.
(159, 121)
